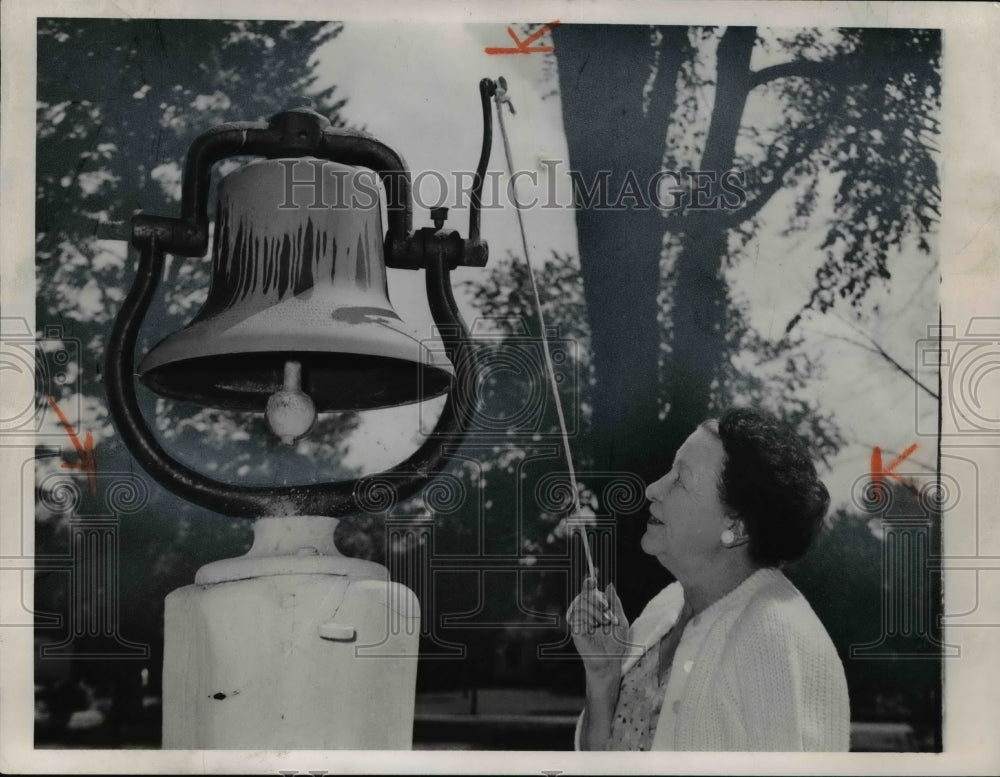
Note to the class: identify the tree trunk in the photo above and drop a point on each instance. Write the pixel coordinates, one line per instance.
(698, 345)
(602, 73)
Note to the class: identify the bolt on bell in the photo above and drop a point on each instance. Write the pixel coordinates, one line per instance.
(301, 280)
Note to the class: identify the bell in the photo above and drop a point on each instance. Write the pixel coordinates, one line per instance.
(298, 277)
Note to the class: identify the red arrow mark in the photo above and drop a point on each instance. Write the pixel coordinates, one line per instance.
(88, 459)
(524, 46)
(879, 473)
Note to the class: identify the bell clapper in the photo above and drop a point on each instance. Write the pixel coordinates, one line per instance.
(290, 411)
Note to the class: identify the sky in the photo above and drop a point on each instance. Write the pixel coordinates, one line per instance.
(428, 110)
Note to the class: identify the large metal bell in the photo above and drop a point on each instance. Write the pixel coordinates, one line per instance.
(298, 275)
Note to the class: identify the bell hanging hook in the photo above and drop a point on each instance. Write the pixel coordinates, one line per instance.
(502, 96)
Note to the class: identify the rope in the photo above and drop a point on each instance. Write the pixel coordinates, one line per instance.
(502, 97)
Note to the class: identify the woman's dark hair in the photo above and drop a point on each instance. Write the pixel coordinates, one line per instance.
(769, 482)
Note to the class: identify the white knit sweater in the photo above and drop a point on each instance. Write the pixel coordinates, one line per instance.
(755, 671)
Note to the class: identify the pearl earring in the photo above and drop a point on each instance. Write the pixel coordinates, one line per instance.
(728, 538)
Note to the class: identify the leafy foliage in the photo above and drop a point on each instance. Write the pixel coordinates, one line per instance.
(120, 101)
(865, 112)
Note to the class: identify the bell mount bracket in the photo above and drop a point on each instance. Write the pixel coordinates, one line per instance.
(436, 250)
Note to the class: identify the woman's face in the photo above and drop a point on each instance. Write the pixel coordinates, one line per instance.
(686, 516)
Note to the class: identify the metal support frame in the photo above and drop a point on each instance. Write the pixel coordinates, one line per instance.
(437, 250)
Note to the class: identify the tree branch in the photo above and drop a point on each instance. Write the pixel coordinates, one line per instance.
(878, 350)
(768, 190)
(733, 218)
(881, 352)
(673, 49)
(840, 70)
(804, 144)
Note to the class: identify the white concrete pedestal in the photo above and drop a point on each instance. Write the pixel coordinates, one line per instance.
(292, 646)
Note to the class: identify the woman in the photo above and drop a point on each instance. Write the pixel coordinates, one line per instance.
(731, 656)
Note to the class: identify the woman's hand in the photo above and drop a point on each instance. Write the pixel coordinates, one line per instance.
(600, 633)
(600, 630)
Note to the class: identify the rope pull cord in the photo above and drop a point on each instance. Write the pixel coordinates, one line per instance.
(501, 97)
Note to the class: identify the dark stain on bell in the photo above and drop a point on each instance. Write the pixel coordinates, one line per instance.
(270, 262)
(361, 279)
(303, 279)
(220, 696)
(363, 315)
(247, 263)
